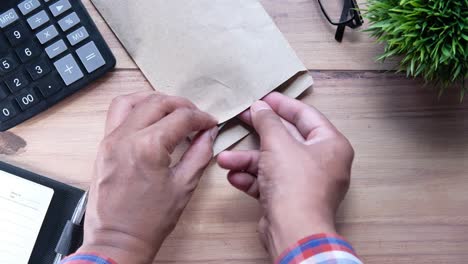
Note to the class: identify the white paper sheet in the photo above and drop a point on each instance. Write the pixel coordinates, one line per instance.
(23, 206)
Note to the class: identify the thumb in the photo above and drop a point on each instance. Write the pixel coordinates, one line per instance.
(268, 125)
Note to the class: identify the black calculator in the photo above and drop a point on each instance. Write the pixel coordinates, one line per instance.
(49, 49)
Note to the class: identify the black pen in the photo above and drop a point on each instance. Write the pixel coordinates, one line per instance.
(76, 219)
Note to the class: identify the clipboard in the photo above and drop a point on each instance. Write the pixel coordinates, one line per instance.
(60, 210)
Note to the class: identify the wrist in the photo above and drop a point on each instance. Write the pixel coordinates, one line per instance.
(115, 254)
(122, 248)
(286, 233)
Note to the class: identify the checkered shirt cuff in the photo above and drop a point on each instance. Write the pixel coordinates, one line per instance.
(320, 249)
(87, 258)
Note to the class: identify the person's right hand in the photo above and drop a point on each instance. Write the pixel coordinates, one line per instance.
(300, 174)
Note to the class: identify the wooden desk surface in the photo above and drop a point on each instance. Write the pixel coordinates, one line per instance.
(408, 202)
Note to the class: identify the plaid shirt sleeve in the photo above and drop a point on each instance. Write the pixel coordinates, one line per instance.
(87, 258)
(317, 249)
(320, 249)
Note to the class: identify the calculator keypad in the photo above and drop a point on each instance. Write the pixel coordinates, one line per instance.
(77, 36)
(69, 21)
(17, 34)
(16, 82)
(28, 6)
(38, 19)
(38, 69)
(7, 111)
(46, 47)
(8, 64)
(90, 57)
(56, 49)
(68, 69)
(3, 93)
(49, 85)
(27, 99)
(8, 17)
(47, 34)
(27, 52)
(60, 7)
(4, 43)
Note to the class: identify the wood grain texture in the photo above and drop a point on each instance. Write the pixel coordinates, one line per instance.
(407, 202)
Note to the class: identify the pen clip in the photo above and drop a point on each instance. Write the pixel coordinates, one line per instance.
(70, 240)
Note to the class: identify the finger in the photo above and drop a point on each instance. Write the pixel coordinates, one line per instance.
(121, 107)
(241, 161)
(306, 118)
(178, 125)
(246, 117)
(268, 125)
(245, 182)
(197, 157)
(153, 109)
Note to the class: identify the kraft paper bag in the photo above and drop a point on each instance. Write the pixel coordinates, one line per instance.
(221, 54)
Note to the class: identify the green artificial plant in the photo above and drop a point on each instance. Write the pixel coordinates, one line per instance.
(430, 37)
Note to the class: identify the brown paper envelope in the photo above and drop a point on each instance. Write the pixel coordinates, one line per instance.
(221, 54)
(234, 130)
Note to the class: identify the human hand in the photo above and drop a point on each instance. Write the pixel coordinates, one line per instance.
(136, 197)
(300, 174)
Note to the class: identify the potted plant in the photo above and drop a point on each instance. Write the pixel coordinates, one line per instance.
(429, 38)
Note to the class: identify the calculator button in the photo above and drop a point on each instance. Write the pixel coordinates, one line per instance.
(47, 34)
(50, 85)
(4, 46)
(68, 69)
(69, 21)
(27, 52)
(77, 36)
(56, 49)
(28, 6)
(38, 70)
(16, 82)
(8, 17)
(7, 111)
(27, 99)
(3, 92)
(7, 64)
(90, 57)
(38, 19)
(60, 7)
(17, 34)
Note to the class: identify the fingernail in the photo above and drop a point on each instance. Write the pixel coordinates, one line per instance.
(214, 133)
(259, 106)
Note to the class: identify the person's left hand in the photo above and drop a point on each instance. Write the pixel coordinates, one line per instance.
(136, 197)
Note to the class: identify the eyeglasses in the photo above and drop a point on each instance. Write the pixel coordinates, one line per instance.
(341, 13)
